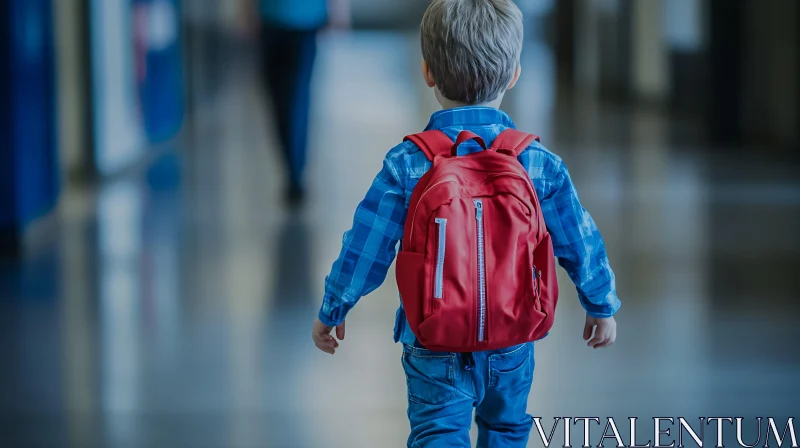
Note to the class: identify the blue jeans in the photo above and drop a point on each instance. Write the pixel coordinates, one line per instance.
(444, 388)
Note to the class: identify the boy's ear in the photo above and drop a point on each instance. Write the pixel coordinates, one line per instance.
(426, 73)
(516, 78)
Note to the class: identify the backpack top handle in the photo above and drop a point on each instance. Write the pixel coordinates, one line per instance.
(465, 136)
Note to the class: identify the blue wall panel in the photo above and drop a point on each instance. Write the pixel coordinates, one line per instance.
(28, 161)
(7, 198)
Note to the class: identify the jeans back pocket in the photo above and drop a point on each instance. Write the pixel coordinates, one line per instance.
(512, 371)
(429, 376)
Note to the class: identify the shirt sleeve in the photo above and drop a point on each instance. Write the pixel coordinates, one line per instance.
(368, 248)
(579, 247)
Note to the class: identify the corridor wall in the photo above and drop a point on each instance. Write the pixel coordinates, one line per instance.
(28, 155)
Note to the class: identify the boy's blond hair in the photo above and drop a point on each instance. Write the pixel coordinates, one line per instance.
(472, 47)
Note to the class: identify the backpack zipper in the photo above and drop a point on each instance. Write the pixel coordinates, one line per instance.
(438, 284)
(481, 271)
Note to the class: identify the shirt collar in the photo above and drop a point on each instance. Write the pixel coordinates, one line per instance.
(469, 116)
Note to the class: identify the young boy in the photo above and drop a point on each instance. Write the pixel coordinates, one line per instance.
(471, 51)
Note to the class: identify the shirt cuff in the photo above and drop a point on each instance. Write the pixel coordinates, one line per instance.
(605, 307)
(327, 320)
(601, 315)
(333, 311)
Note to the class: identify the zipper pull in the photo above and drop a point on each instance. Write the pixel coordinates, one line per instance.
(537, 281)
(478, 209)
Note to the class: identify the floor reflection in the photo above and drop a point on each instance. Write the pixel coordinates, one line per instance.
(294, 275)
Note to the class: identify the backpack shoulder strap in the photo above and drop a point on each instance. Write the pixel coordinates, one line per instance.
(514, 141)
(432, 143)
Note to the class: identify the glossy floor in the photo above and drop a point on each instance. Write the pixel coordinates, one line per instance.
(173, 308)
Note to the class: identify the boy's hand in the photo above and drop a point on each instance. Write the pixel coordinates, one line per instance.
(605, 331)
(321, 334)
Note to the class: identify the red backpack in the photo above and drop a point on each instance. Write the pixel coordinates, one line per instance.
(476, 270)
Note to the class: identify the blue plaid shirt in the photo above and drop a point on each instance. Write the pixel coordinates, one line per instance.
(369, 248)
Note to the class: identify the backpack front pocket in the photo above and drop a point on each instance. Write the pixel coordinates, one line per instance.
(448, 309)
(508, 272)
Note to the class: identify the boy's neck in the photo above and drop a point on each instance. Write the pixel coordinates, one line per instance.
(449, 104)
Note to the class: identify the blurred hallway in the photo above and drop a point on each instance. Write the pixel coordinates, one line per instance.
(173, 307)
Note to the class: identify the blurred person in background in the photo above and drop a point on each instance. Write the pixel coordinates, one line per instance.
(288, 32)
